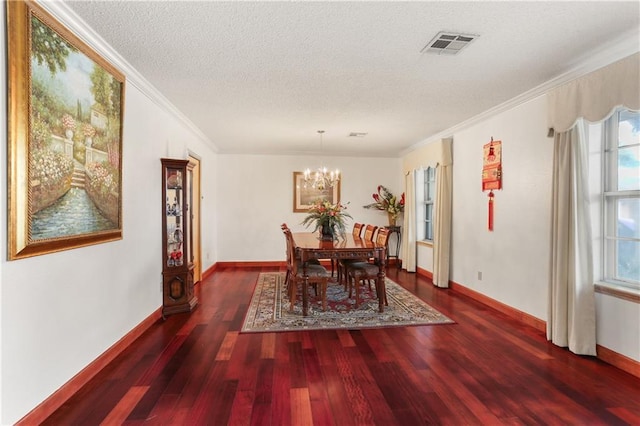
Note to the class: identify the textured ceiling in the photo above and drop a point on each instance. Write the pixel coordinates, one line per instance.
(263, 77)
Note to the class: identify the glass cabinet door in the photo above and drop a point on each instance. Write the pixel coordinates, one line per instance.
(175, 234)
(189, 219)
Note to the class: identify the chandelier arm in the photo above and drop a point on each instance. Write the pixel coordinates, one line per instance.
(322, 179)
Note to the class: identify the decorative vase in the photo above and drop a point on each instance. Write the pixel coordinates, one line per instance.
(68, 133)
(392, 219)
(88, 141)
(327, 233)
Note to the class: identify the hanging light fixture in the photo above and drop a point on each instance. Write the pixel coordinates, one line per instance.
(321, 179)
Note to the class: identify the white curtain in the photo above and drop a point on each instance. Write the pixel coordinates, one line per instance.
(442, 222)
(409, 223)
(595, 95)
(571, 318)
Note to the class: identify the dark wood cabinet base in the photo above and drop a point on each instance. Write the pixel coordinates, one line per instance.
(178, 293)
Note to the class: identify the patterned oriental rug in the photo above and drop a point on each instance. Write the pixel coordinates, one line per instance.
(269, 309)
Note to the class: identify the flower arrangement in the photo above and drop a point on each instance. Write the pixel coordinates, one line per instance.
(88, 130)
(68, 122)
(328, 217)
(386, 201)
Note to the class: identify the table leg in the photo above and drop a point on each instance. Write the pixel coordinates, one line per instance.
(380, 292)
(380, 286)
(305, 290)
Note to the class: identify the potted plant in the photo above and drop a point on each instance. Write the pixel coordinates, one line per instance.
(328, 218)
(386, 201)
(69, 125)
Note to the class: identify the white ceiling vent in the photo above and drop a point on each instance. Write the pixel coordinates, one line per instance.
(447, 43)
(358, 134)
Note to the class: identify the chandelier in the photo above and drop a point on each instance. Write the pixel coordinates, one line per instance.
(321, 179)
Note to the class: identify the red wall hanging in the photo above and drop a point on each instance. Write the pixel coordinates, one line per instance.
(491, 172)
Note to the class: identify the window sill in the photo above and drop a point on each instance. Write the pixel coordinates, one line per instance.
(621, 292)
(425, 243)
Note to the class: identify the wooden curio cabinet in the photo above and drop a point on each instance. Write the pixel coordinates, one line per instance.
(177, 257)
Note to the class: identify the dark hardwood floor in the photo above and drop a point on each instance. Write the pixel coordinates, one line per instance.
(486, 369)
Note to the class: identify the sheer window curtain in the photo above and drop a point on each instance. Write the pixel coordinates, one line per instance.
(442, 222)
(409, 223)
(571, 313)
(571, 319)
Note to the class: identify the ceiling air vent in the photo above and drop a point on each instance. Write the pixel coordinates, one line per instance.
(357, 134)
(446, 43)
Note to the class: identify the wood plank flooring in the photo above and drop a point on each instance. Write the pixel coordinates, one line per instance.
(486, 369)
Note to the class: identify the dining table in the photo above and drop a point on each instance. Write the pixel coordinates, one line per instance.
(309, 246)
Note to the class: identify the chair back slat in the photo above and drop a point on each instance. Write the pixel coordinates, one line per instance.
(369, 232)
(382, 237)
(357, 229)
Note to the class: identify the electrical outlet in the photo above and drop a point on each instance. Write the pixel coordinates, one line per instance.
(479, 275)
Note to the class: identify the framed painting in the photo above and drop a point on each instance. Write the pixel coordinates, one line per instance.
(65, 111)
(304, 195)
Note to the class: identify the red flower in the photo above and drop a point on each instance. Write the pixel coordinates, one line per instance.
(386, 201)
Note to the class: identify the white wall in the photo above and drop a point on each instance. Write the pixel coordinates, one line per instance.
(60, 311)
(256, 196)
(618, 325)
(514, 258)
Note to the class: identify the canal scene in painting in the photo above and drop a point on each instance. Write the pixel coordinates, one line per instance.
(74, 140)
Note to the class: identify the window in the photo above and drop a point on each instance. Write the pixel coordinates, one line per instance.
(425, 201)
(429, 198)
(621, 198)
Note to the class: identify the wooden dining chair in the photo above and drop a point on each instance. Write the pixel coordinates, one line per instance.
(356, 231)
(358, 272)
(284, 228)
(367, 235)
(318, 276)
(369, 232)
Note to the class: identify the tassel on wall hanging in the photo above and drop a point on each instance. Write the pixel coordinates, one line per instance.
(492, 173)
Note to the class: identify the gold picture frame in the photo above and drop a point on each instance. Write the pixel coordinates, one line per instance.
(64, 121)
(305, 196)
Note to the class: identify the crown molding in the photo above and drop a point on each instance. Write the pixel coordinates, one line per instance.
(616, 49)
(84, 32)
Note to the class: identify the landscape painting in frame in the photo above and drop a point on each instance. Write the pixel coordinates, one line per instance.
(65, 138)
(304, 196)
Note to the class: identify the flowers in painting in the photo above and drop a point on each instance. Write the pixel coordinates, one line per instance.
(324, 214)
(49, 167)
(49, 178)
(386, 201)
(102, 178)
(68, 122)
(88, 130)
(102, 183)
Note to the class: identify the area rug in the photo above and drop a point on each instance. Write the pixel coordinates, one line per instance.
(269, 309)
